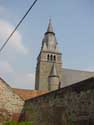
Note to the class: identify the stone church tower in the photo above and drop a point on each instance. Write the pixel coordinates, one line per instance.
(49, 63)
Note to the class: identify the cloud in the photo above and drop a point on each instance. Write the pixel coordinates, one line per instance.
(15, 42)
(16, 79)
(13, 49)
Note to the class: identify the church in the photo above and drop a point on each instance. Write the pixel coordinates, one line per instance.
(49, 63)
(51, 77)
(50, 72)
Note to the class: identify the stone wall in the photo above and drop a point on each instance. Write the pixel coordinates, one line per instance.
(43, 68)
(73, 105)
(11, 104)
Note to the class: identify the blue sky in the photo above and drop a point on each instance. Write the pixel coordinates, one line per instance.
(73, 23)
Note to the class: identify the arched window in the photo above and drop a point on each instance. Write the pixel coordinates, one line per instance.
(48, 57)
(54, 58)
(51, 57)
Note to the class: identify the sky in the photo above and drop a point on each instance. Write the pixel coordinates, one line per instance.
(73, 23)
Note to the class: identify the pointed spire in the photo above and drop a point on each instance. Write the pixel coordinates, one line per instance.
(53, 71)
(50, 39)
(50, 27)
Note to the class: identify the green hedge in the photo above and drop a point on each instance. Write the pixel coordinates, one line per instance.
(16, 123)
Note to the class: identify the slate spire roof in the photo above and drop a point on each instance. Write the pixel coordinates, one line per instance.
(50, 27)
(53, 71)
(49, 42)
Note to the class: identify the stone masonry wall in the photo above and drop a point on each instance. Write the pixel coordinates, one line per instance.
(73, 105)
(44, 67)
(10, 104)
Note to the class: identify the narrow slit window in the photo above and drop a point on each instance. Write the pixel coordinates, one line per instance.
(54, 58)
(48, 57)
(51, 57)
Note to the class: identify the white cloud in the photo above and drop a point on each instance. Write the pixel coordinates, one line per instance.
(15, 42)
(13, 76)
(13, 49)
(16, 79)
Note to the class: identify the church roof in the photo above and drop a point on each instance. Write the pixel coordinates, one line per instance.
(28, 94)
(85, 84)
(71, 76)
(24, 94)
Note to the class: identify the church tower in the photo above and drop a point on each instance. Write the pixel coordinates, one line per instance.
(49, 63)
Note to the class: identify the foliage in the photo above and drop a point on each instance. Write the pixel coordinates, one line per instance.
(17, 123)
